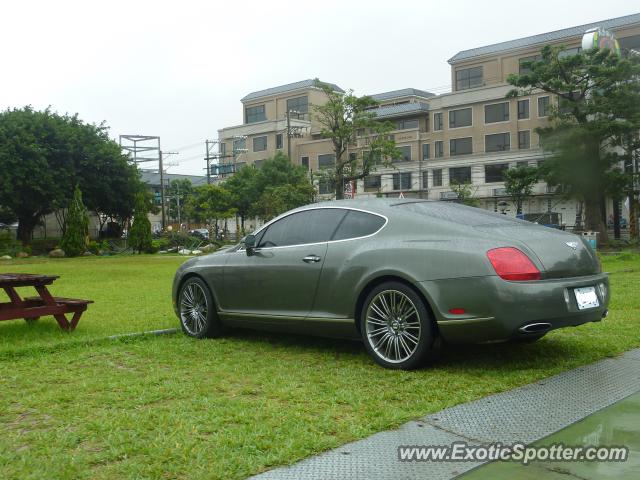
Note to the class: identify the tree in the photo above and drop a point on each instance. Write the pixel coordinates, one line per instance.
(281, 186)
(140, 232)
(341, 118)
(586, 124)
(210, 204)
(74, 240)
(464, 193)
(244, 192)
(519, 182)
(44, 155)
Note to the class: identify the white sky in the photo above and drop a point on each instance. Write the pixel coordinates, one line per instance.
(179, 69)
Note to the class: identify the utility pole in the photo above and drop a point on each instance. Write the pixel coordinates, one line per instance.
(162, 195)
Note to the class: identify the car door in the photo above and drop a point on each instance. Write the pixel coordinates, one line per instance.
(280, 277)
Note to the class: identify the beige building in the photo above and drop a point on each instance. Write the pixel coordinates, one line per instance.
(472, 134)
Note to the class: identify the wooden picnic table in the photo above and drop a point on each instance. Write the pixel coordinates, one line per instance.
(31, 308)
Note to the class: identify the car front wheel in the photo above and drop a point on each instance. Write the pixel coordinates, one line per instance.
(397, 329)
(198, 316)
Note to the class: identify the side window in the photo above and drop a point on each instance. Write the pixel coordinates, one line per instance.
(310, 226)
(358, 224)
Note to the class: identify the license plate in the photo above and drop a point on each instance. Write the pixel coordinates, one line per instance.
(586, 298)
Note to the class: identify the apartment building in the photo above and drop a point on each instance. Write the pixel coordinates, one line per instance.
(472, 134)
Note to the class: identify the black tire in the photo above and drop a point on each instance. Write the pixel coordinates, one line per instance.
(411, 336)
(197, 312)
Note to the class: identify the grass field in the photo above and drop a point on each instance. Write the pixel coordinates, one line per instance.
(76, 406)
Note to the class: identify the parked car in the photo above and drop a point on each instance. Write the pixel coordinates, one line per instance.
(200, 232)
(402, 275)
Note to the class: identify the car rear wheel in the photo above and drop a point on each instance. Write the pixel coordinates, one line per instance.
(198, 316)
(397, 329)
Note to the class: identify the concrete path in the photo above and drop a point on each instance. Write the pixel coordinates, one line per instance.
(525, 414)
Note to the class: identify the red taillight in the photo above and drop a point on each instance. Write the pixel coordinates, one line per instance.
(511, 264)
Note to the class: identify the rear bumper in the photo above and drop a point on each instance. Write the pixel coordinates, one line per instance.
(496, 309)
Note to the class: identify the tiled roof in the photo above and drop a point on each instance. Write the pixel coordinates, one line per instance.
(405, 92)
(402, 109)
(544, 38)
(286, 88)
(151, 177)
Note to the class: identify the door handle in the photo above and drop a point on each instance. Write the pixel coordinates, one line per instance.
(311, 259)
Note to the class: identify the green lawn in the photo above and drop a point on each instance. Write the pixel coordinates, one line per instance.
(172, 407)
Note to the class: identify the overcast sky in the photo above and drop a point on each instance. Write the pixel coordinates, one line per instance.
(178, 69)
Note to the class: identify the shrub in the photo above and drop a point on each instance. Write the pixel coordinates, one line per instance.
(8, 244)
(140, 234)
(74, 240)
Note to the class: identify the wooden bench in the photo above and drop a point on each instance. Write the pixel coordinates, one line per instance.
(32, 308)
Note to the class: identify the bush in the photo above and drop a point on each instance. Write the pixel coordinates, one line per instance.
(74, 240)
(8, 244)
(42, 246)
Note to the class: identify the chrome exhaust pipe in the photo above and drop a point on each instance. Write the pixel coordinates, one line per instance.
(535, 328)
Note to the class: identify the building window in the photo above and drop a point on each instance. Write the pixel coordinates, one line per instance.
(524, 66)
(404, 154)
(524, 139)
(299, 105)
(372, 183)
(460, 118)
(522, 163)
(497, 142)
(260, 144)
(437, 122)
(437, 177)
(438, 149)
(497, 112)
(425, 151)
(258, 163)
(523, 109)
(279, 141)
(543, 106)
(240, 165)
(326, 161)
(304, 161)
(569, 52)
(425, 180)
(239, 145)
(468, 78)
(460, 146)
(407, 124)
(326, 186)
(371, 157)
(222, 149)
(460, 175)
(495, 173)
(255, 114)
(402, 181)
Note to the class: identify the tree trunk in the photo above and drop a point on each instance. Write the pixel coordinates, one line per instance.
(593, 218)
(339, 187)
(633, 224)
(25, 228)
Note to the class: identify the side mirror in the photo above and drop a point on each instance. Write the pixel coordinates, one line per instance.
(249, 244)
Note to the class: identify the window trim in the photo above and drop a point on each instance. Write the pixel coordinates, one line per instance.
(484, 111)
(528, 117)
(442, 121)
(497, 133)
(525, 130)
(461, 154)
(456, 110)
(285, 215)
(538, 105)
(253, 143)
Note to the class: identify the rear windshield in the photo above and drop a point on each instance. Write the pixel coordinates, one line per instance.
(454, 212)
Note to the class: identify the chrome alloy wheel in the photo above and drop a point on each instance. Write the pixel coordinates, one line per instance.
(193, 309)
(393, 326)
